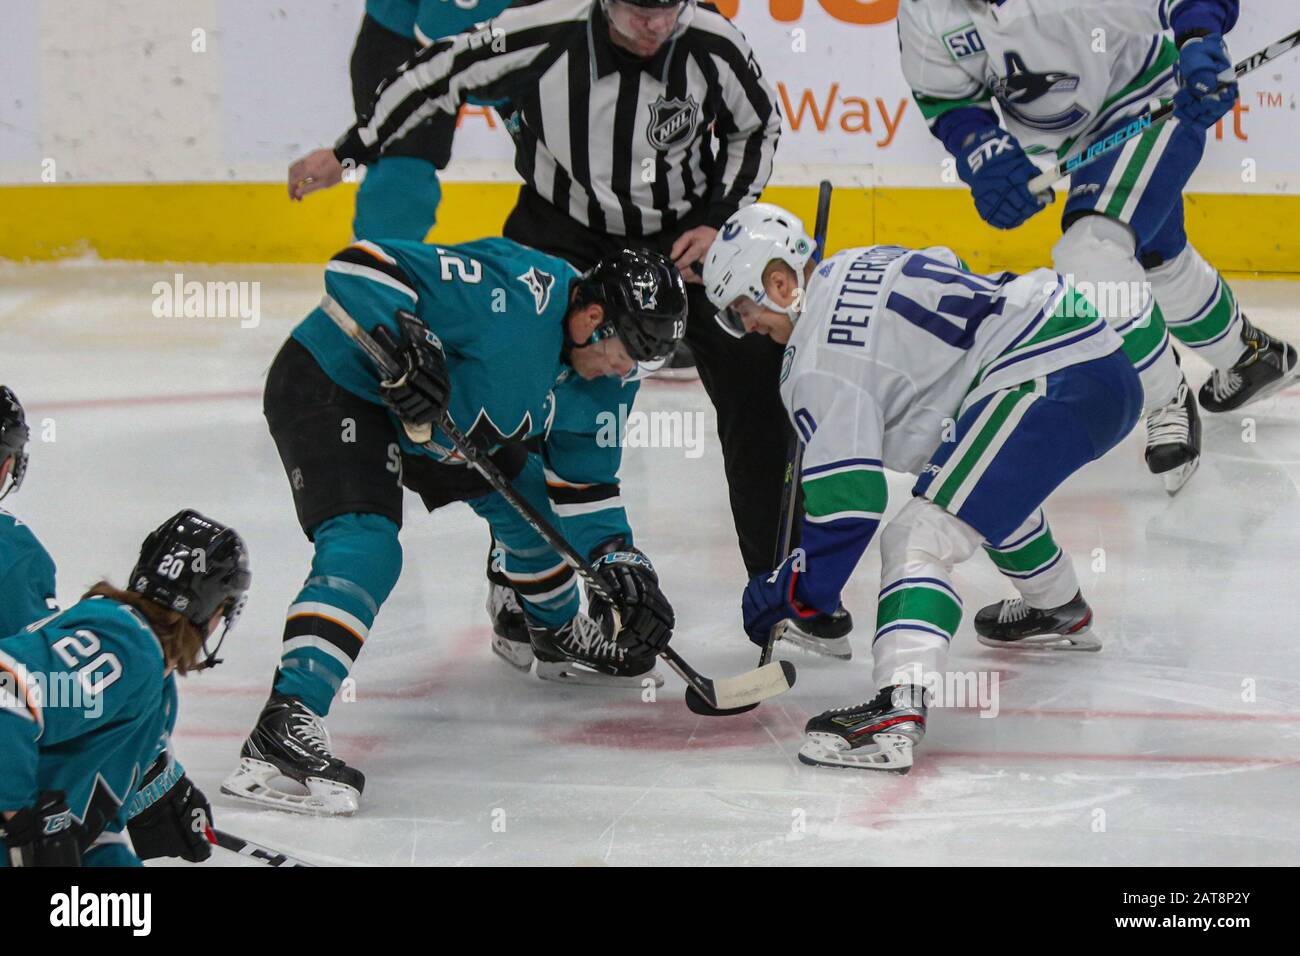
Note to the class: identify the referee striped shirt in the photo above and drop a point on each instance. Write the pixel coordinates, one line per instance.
(624, 145)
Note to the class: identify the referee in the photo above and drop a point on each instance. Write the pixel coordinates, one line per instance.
(636, 123)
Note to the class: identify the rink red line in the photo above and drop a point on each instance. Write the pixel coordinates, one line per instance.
(134, 401)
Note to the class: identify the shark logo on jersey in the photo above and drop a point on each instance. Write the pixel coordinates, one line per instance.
(1022, 86)
(672, 121)
(539, 284)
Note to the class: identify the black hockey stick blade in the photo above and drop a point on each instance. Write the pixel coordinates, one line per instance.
(728, 696)
(235, 844)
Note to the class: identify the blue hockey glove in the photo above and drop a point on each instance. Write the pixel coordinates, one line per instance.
(998, 172)
(769, 598)
(1207, 83)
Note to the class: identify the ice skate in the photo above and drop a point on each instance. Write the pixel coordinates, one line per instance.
(1174, 440)
(1013, 623)
(877, 735)
(509, 629)
(825, 634)
(290, 741)
(580, 653)
(1267, 365)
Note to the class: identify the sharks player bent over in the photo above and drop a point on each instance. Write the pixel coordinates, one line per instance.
(89, 692)
(519, 349)
(992, 389)
(1066, 74)
(167, 802)
(26, 568)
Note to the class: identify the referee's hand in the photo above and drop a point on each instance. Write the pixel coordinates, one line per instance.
(691, 247)
(319, 169)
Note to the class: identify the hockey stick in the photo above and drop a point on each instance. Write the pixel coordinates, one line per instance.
(1157, 113)
(228, 841)
(725, 693)
(794, 459)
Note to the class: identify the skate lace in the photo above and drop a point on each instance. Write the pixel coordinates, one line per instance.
(586, 639)
(309, 729)
(1013, 610)
(1170, 423)
(1225, 383)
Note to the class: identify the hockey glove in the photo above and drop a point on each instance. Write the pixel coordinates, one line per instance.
(421, 393)
(43, 834)
(769, 598)
(647, 616)
(998, 172)
(1207, 83)
(175, 824)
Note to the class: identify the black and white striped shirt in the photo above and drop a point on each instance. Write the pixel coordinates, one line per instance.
(625, 146)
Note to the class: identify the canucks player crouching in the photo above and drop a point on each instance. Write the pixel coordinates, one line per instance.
(522, 352)
(86, 700)
(887, 348)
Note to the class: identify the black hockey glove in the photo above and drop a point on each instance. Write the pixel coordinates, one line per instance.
(421, 392)
(43, 834)
(175, 824)
(646, 614)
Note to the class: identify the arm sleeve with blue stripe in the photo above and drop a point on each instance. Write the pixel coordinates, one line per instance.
(843, 483)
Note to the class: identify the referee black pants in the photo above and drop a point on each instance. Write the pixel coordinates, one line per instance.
(741, 376)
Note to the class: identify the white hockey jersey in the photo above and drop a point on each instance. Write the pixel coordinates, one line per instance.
(1058, 69)
(892, 343)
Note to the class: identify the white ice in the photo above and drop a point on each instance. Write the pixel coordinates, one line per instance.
(1179, 743)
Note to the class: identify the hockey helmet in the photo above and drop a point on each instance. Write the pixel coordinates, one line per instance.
(748, 241)
(644, 299)
(195, 566)
(13, 439)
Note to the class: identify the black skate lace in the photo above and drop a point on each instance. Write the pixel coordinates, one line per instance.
(1013, 610)
(1169, 424)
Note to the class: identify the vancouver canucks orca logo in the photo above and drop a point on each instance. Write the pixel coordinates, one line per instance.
(1021, 86)
(539, 284)
(672, 121)
(731, 230)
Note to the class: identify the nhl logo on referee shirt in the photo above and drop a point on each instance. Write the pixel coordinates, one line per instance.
(672, 121)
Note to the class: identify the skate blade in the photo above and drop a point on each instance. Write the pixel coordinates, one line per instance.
(517, 655)
(836, 647)
(893, 753)
(324, 798)
(1079, 641)
(1175, 478)
(567, 672)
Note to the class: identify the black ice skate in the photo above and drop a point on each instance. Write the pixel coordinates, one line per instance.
(1267, 365)
(877, 735)
(1174, 440)
(509, 629)
(290, 741)
(580, 653)
(826, 634)
(1013, 623)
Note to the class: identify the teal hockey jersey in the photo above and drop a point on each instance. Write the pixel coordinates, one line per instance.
(26, 576)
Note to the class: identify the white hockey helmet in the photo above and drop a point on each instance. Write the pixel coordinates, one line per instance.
(746, 243)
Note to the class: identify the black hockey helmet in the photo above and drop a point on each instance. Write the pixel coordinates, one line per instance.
(13, 439)
(194, 566)
(644, 299)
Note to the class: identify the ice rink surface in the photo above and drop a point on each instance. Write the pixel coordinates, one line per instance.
(1179, 743)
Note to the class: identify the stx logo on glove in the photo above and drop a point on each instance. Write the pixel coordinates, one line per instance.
(987, 150)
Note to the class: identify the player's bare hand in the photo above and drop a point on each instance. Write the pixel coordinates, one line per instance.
(319, 169)
(691, 247)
